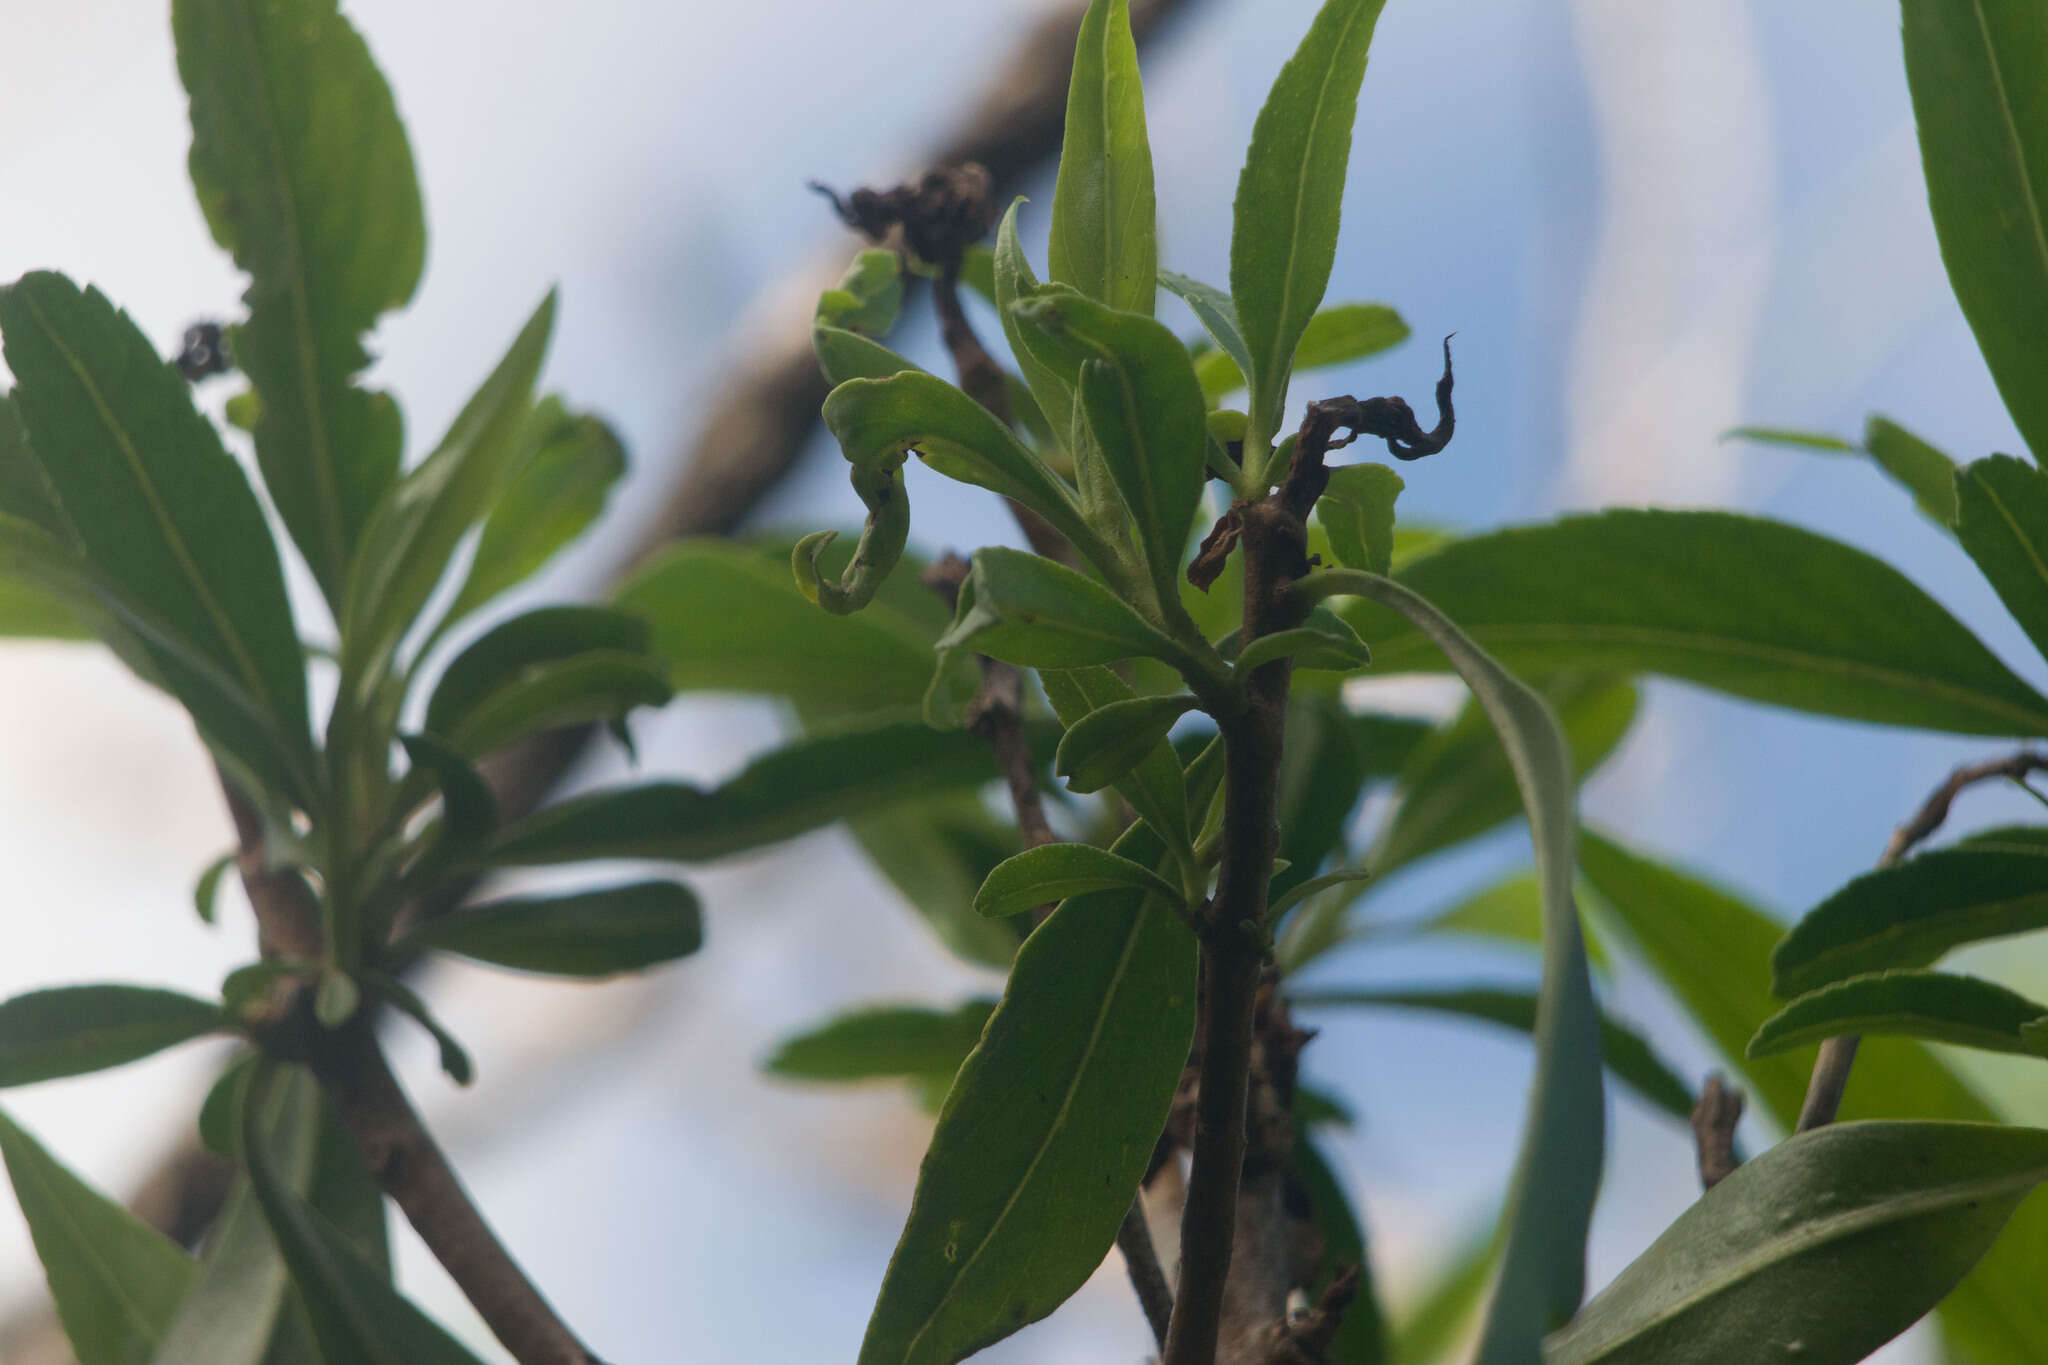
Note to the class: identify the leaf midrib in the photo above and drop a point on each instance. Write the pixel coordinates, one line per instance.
(2012, 136)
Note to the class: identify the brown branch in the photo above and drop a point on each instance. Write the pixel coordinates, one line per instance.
(1830, 1078)
(1714, 1118)
(1148, 1280)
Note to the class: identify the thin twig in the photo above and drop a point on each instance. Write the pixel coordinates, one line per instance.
(1837, 1055)
(1148, 1280)
(1714, 1118)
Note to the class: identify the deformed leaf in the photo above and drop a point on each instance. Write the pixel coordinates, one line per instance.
(1031, 611)
(901, 1041)
(1103, 234)
(1358, 511)
(115, 1280)
(1104, 745)
(1912, 1003)
(585, 933)
(1909, 914)
(72, 1030)
(1816, 1252)
(1053, 872)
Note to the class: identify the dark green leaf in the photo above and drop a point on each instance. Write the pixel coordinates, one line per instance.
(1925, 472)
(469, 811)
(1627, 1054)
(1053, 872)
(116, 1281)
(407, 544)
(1286, 900)
(936, 852)
(357, 1316)
(1153, 785)
(1327, 758)
(887, 1041)
(587, 933)
(557, 491)
(1753, 607)
(1289, 195)
(206, 891)
(1358, 511)
(1910, 914)
(1459, 784)
(71, 1030)
(1712, 952)
(2002, 521)
(727, 618)
(302, 167)
(1818, 1251)
(454, 1058)
(160, 508)
(1557, 1174)
(1047, 1130)
(1362, 1336)
(1104, 745)
(1103, 234)
(1915, 1004)
(1314, 1106)
(602, 685)
(2032, 839)
(1031, 611)
(512, 650)
(26, 609)
(1218, 316)
(1979, 77)
(1323, 641)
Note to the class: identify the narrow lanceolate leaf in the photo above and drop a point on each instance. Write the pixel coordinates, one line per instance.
(1145, 416)
(1104, 241)
(1819, 1251)
(1627, 1053)
(1051, 873)
(356, 1314)
(411, 536)
(1104, 745)
(1358, 511)
(2002, 521)
(936, 851)
(1916, 1004)
(1323, 641)
(1031, 611)
(1910, 914)
(1014, 280)
(500, 657)
(1752, 607)
(904, 1041)
(71, 1030)
(1979, 77)
(603, 685)
(302, 167)
(115, 1280)
(158, 506)
(26, 609)
(1047, 1130)
(1218, 316)
(726, 618)
(559, 489)
(787, 792)
(1336, 335)
(469, 809)
(1459, 784)
(589, 933)
(1288, 197)
(1153, 784)
(1712, 952)
(1924, 471)
(1362, 1336)
(1557, 1175)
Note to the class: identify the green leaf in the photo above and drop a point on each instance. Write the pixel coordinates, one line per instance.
(26, 609)
(1751, 607)
(868, 296)
(1152, 785)
(1785, 436)
(1818, 1251)
(726, 618)
(1047, 1129)
(1145, 415)
(1103, 233)
(1459, 784)
(1712, 952)
(805, 784)
(587, 933)
(1909, 914)
(1912, 1003)
(2031, 839)
(844, 355)
(454, 1059)
(72, 1030)
(1362, 1336)
(559, 489)
(936, 853)
(1979, 77)
(1326, 760)
(1428, 1329)
(1286, 900)
(1051, 873)
(904, 1041)
(160, 509)
(1627, 1053)
(1218, 316)
(1104, 745)
(115, 1280)
(1557, 1174)
(515, 649)
(1026, 610)
(2002, 521)
(303, 170)
(880, 421)
(1324, 640)
(206, 891)
(357, 1315)
(1288, 199)
(410, 538)
(1014, 281)
(1924, 471)
(469, 810)
(1336, 335)
(1358, 511)
(1510, 911)
(602, 685)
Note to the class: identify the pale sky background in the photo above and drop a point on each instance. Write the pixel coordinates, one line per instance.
(1647, 223)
